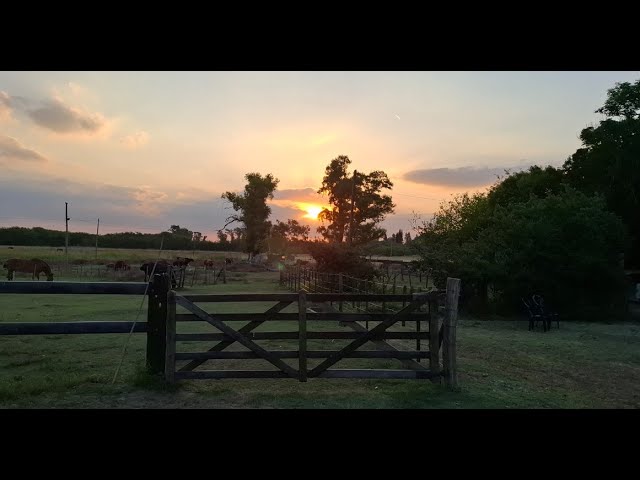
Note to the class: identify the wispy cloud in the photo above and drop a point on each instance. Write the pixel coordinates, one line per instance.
(60, 118)
(148, 201)
(12, 151)
(135, 140)
(306, 194)
(458, 177)
(55, 115)
(5, 106)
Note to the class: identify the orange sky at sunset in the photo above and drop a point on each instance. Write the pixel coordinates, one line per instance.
(145, 150)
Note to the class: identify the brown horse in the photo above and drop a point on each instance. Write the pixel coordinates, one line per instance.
(34, 266)
(182, 261)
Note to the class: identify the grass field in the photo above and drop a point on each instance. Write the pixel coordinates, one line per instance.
(107, 255)
(501, 364)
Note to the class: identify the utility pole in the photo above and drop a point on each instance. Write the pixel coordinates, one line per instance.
(97, 233)
(66, 232)
(353, 193)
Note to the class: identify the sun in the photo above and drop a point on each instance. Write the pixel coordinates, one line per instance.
(312, 211)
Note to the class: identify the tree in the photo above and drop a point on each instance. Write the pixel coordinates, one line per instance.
(520, 186)
(357, 206)
(609, 161)
(564, 246)
(284, 234)
(180, 232)
(253, 210)
(399, 237)
(407, 238)
(443, 241)
(340, 258)
(222, 236)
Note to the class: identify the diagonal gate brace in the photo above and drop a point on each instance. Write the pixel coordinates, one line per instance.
(238, 337)
(374, 332)
(278, 307)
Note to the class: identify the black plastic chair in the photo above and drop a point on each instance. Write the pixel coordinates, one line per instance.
(535, 315)
(548, 314)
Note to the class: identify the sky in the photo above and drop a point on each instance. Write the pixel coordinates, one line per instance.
(146, 150)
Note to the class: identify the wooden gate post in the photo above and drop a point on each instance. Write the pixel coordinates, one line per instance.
(170, 339)
(450, 326)
(434, 340)
(156, 323)
(302, 335)
(340, 290)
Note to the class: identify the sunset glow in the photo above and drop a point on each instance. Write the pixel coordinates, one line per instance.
(145, 150)
(312, 211)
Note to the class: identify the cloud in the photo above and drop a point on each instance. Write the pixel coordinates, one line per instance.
(60, 118)
(11, 150)
(458, 177)
(54, 115)
(5, 106)
(136, 140)
(148, 201)
(296, 194)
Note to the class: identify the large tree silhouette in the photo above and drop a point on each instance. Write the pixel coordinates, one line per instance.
(609, 161)
(253, 210)
(357, 204)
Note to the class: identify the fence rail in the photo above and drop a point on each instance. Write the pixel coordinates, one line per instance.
(420, 309)
(76, 288)
(152, 327)
(360, 336)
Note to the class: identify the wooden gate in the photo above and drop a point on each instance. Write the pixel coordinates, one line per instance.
(420, 310)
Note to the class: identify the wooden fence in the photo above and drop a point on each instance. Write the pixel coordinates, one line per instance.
(440, 337)
(154, 327)
(309, 280)
(420, 310)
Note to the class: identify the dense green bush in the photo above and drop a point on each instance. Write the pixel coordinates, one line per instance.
(340, 258)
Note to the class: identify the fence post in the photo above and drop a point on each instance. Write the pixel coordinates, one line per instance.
(434, 342)
(156, 323)
(384, 292)
(302, 335)
(170, 349)
(450, 327)
(366, 302)
(340, 287)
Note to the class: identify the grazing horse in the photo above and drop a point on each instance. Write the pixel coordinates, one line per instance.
(228, 260)
(209, 263)
(34, 266)
(121, 265)
(182, 261)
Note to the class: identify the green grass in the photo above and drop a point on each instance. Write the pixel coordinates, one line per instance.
(501, 364)
(107, 255)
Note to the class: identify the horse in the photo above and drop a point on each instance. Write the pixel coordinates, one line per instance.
(182, 261)
(34, 266)
(121, 265)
